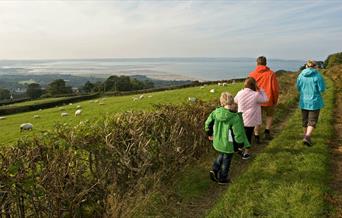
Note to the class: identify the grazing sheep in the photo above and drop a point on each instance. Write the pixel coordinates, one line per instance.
(219, 84)
(26, 126)
(141, 96)
(64, 114)
(224, 84)
(135, 99)
(2, 118)
(202, 87)
(36, 116)
(61, 109)
(70, 103)
(192, 99)
(40, 109)
(96, 101)
(150, 96)
(78, 107)
(101, 103)
(78, 112)
(212, 90)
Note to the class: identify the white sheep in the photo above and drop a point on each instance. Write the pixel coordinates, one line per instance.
(224, 84)
(150, 96)
(64, 114)
(26, 126)
(212, 90)
(219, 84)
(70, 103)
(202, 87)
(101, 103)
(96, 101)
(2, 118)
(78, 107)
(192, 99)
(78, 112)
(36, 116)
(135, 99)
(141, 96)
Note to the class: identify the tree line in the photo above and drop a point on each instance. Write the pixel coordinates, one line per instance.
(59, 87)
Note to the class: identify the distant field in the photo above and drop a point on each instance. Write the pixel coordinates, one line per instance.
(9, 128)
(33, 102)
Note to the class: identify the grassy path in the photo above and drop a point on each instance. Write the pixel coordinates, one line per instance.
(287, 179)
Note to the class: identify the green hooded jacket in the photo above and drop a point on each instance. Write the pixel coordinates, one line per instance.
(224, 122)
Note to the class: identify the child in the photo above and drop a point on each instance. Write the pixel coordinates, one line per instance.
(220, 125)
(249, 100)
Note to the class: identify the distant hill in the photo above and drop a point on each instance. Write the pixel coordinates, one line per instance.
(333, 59)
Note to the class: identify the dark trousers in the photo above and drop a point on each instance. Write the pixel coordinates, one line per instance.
(221, 165)
(249, 133)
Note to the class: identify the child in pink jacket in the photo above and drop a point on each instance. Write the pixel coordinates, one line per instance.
(249, 102)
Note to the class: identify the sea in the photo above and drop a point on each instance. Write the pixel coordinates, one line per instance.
(202, 69)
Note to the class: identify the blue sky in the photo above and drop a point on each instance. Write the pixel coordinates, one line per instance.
(95, 29)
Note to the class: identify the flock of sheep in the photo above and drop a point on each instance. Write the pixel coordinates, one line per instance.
(78, 112)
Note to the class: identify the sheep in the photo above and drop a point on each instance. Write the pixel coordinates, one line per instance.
(192, 99)
(26, 126)
(219, 84)
(135, 99)
(70, 103)
(202, 87)
(212, 90)
(101, 103)
(224, 84)
(64, 114)
(78, 112)
(150, 96)
(36, 116)
(78, 107)
(141, 96)
(2, 118)
(96, 101)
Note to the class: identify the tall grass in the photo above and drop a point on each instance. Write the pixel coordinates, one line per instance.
(287, 179)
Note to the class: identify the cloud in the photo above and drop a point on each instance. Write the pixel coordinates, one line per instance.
(87, 29)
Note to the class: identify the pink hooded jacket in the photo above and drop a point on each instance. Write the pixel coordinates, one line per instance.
(249, 103)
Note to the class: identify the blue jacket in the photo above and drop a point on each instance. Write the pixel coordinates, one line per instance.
(310, 85)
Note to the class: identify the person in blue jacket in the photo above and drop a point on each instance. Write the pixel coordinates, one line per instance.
(310, 85)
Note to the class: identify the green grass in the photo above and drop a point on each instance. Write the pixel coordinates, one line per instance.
(10, 126)
(287, 179)
(33, 102)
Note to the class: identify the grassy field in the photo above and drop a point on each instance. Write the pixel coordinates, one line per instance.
(33, 102)
(93, 110)
(287, 179)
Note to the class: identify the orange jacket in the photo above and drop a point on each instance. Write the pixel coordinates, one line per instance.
(267, 81)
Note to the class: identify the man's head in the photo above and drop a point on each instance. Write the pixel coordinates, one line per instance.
(226, 99)
(261, 61)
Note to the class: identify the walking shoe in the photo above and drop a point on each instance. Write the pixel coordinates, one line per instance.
(268, 136)
(213, 176)
(257, 139)
(307, 141)
(224, 181)
(245, 156)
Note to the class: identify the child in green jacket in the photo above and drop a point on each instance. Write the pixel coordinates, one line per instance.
(225, 122)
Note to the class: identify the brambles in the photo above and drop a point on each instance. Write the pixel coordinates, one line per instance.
(96, 168)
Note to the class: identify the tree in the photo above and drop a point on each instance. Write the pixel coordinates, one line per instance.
(57, 87)
(34, 90)
(4, 94)
(88, 87)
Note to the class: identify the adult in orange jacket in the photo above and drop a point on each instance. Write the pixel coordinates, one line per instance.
(266, 80)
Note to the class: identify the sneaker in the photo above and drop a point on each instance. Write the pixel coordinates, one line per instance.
(246, 156)
(213, 176)
(257, 139)
(307, 141)
(224, 181)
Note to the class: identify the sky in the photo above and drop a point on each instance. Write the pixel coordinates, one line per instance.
(133, 29)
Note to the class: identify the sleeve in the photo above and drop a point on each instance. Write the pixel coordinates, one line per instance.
(261, 97)
(275, 88)
(209, 124)
(321, 83)
(239, 131)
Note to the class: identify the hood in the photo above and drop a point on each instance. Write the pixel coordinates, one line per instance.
(309, 72)
(261, 69)
(223, 114)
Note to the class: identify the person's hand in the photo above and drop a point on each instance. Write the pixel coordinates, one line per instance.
(210, 138)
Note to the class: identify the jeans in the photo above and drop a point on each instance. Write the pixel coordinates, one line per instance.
(221, 165)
